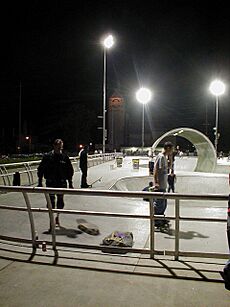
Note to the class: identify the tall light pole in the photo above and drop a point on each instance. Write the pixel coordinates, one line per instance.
(217, 88)
(20, 118)
(143, 95)
(107, 44)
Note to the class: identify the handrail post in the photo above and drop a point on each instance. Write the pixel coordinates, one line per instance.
(31, 173)
(3, 177)
(7, 174)
(32, 227)
(52, 225)
(28, 173)
(177, 228)
(152, 227)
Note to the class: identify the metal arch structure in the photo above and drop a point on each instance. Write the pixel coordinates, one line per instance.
(206, 153)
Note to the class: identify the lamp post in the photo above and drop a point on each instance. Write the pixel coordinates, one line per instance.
(108, 42)
(143, 95)
(217, 88)
(28, 138)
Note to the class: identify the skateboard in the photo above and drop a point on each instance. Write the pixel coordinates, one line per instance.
(164, 227)
(89, 228)
(95, 181)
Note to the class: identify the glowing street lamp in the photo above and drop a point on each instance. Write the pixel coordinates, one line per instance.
(217, 88)
(107, 43)
(143, 95)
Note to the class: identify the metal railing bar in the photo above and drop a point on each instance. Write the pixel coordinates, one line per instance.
(177, 228)
(20, 172)
(204, 255)
(28, 173)
(203, 219)
(15, 239)
(73, 159)
(131, 250)
(83, 246)
(132, 194)
(152, 228)
(64, 211)
(108, 193)
(52, 225)
(6, 172)
(2, 175)
(106, 248)
(31, 219)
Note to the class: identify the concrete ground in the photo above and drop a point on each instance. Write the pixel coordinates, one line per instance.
(93, 278)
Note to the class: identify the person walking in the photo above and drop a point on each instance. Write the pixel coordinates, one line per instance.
(163, 165)
(84, 167)
(57, 169)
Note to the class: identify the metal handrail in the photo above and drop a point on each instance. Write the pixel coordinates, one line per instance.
(109, 193)
(71, 158)
(105, 193)
(29, 171)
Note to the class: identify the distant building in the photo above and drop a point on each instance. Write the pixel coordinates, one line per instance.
(116, 122)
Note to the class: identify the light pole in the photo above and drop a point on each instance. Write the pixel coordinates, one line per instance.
(143, 95)
(107, 44)
(28, 138)
(20, 118)
(217, 88)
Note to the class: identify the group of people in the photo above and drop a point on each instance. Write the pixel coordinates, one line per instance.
(58, 171)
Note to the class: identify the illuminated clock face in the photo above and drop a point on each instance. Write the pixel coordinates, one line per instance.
(116, 102)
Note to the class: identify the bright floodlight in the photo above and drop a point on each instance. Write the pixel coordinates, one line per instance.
(143, 95)
(217, 87)
(108, 41)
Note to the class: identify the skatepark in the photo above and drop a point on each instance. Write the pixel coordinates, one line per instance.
(89, 277)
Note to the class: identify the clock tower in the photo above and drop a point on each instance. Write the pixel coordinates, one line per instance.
(116, 122)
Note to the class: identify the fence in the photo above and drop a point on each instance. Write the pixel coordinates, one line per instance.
(94, 193)
(28, 170)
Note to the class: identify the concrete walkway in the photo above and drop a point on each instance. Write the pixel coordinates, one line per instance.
(92, 278)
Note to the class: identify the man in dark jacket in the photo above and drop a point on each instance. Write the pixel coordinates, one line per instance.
(56, 168)
(84, 167)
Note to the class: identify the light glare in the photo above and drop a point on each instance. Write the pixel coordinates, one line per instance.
(143, 95)
(108, 41)
(217, 87)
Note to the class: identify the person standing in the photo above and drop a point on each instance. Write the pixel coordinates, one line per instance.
(163, 165)
(151, 163)
(57, 169)
(171, 182)
(84, 167)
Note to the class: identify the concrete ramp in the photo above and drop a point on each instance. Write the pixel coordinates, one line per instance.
(205, 150)
(188, 183)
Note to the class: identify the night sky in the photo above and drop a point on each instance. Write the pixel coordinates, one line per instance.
(173, 47)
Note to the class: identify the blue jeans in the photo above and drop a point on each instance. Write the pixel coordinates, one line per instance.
(160, 207)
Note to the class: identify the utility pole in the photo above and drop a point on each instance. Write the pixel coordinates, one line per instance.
(20, 117)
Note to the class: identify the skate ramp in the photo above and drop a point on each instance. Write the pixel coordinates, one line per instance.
(206, 154)
(188, 183)
(185, 164)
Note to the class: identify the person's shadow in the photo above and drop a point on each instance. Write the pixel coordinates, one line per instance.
(68, 232)
(187, 235)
